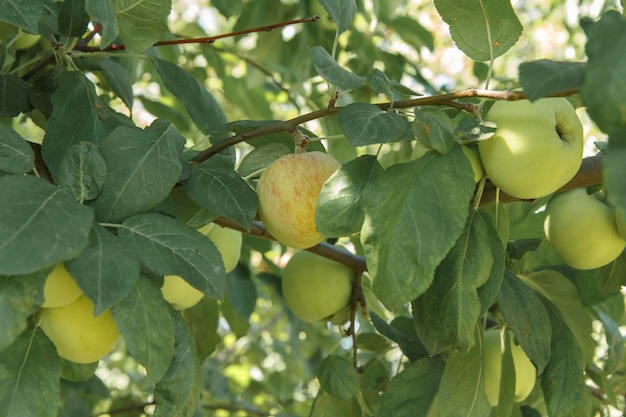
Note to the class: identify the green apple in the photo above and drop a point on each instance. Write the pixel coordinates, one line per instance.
(228, 242)
(536, 149)
(582, 230)
(314, 287)
(288, 191)
(77, 334)
(60, 288)
(471, 152)
(25, 40)
(525, 372)
(179, 293)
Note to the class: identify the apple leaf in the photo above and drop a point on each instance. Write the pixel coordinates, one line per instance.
(446, 314)
(544, 77)
(380, 83)
(241, 291)
(615, 342)
(402, 331)
(29, 370)
(165, 246)
(414, 213)
(462, 386)
(103, 13)
(41, 220)
(119, 80)
(527, 317)
(260, 157)
(143, 167)
(433, 128)
(338, 377)
(326, 405)
(203, 319)
(145, 322)
(341, 11)
(365, 124)
(482, 29)
(411, 392)
(25, 15)
(16, 156)
(332, 72)
(178, 392)
(603, 90)
(105, 270)
(73, 18)
(412, 32)
(614, 169)
(141, 22)
(83, 171)
(20, 297)
(13, 96)
(507, 379)
(238, 324)
(339, 209)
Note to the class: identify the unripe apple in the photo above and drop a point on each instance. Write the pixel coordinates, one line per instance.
(228, 242)
(582, 230)
(77, 335)
(536, 149)
(314, 287)
(525, 372)
(179, 293)
(60, 288)
(25, 40)
(288, 191)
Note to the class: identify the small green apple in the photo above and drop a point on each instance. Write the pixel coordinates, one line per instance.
(582, 230)
(77, 334)
(179, 293)
(288, 191)
(314, 287)
(228, 242)
(525, 372)
(25, 40)
(536, 149)
(60, 288)
(471, 152)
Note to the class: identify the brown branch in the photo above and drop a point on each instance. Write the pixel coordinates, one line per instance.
(40, 165)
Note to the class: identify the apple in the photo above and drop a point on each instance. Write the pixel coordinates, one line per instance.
(315, 288)
(179, 293)
(288, 191)
(536, 149)
(77, 335)
(25, 40)
(582, 230)
(228, 242)
(525, 372)
(60, 288)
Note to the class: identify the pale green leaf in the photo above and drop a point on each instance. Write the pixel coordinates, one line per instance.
(141, 22)
(332, 72)
(365, 124)
(341, 11)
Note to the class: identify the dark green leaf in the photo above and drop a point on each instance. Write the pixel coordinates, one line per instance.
(141, 22)
(202, 320)
(83, 171)
(238, 324)
(414, 213)
(165, 246)
(614, 170)
(143, 167)
(178, 204)
(260, 157)
(412, 32)
(365, 124)
(482, 29)
(29, 370)
(544, 77)
(103, 13)
(13, 95)
(241, 291)
(73, 18)
(330, 70)
(402, 331)
(434, 129)
(338, 377)
(145, 322)
(372, 342)
(118, 79)
(341, 11)
(77, 372)
(325, 405)
(41, 220)
(16, 156)
(22, 14)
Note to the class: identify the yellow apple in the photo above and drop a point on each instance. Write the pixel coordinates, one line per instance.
(228, 242)
(582, 230)
(288, 191)
(525, 372)
(179, 293)
(536, 149)
(77, 335)
(60, 288)
(314, 287)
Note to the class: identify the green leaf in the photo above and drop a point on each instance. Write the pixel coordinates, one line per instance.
(372, 342)
(412, 32)
(339, 209)
(83, 171)
(19, 298)
(482, 29)
(380, 84)
(103, 13)
(260, 157)
(77, 372)
(200, 104)
(325, 405)
(73, 18)
(216, 186)
(414, 213)
(13, 95)
(338, 377)
(365, 124)
(614, 169)
(16, 156)
(143, 167)
(526, 316)
(433, 128)
(446, 314)
(29, 370)
(145, 322)
(165, 246)
(544, 77)
(238, 324)
(411, 392)
(41, 220)
(105, 270)
(203, 319)
(563, 380)
(615, 342)
(603, 91)
(141, 22)
(241, 291)
(22, 14)
(119, 80)
(178, 392)
(462, 387)
(332, 72)
(341, 11)
(402, 331)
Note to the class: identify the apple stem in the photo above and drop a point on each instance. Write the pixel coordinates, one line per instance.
(300, 139)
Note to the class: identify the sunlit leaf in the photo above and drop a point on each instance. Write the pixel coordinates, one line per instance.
(330, 70)
(141, 22)
(341, 11)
